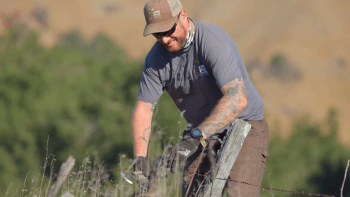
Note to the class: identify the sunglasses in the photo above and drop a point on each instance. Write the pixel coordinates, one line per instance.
(172, 30)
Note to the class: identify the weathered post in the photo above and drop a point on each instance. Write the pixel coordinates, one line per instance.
(227, 159)
(62, 175)
(346, 171)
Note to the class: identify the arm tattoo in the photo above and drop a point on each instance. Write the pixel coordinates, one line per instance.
(145, 135)
(153, 106)
(228, 108)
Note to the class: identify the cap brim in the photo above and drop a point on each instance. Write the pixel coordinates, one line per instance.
(159, 27)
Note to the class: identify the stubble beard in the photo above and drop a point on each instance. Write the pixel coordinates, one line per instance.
(180, 41)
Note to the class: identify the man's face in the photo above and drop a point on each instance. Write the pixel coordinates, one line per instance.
(173, 41)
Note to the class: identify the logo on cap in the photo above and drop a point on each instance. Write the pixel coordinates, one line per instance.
(150, 13)
(153, 14)
(156, 14)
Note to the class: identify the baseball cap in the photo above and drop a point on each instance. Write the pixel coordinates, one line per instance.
(160, 15)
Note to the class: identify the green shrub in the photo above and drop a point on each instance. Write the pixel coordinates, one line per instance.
(78, 94)
(311, 160)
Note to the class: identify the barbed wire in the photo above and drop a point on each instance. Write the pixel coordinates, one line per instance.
(242, 182)
(274, 189)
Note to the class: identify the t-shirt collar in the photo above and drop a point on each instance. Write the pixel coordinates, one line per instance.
(190, 35)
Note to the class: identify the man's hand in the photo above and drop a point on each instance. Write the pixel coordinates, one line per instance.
(180, 152)
(141, 170)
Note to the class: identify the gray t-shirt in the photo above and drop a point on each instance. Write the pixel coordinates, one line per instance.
(194, 76)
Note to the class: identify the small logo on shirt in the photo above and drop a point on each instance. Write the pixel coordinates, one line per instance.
(199, 70)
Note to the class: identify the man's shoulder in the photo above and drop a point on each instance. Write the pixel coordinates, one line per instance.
(211, 37)
(212, 32)
(204, 25)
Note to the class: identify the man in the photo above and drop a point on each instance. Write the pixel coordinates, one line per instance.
(200, 67)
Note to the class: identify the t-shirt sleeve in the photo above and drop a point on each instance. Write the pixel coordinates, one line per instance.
(151, 87)
(222, 59)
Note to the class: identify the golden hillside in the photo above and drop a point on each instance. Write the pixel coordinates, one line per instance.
(313, 36)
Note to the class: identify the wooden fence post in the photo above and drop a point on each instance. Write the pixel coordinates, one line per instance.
(62, 175)
(346, 171)
(227, 159)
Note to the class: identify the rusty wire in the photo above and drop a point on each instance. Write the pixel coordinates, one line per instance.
(274, 189)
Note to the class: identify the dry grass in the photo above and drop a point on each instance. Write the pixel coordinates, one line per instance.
(94, 179)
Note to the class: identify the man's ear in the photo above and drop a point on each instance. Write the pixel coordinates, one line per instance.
(183, 13)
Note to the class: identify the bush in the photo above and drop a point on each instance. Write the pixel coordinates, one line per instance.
(311, 160)
(79, 96)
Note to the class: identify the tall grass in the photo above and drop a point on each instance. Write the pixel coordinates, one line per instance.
(311, 160)
(93, 179)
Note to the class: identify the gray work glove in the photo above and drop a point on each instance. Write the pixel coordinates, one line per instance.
(141, 170)
(176, 158)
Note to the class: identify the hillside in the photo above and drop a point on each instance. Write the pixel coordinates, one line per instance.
(310, 75)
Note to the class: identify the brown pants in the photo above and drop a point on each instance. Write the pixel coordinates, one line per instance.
(249, 166)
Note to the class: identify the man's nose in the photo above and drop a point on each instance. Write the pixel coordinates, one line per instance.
(165, 39)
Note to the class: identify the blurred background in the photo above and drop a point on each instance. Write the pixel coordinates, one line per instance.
(70, 70)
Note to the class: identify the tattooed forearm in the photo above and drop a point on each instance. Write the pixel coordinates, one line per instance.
(145, 135)
(141, 127)
(153, 106)
(228, 108)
